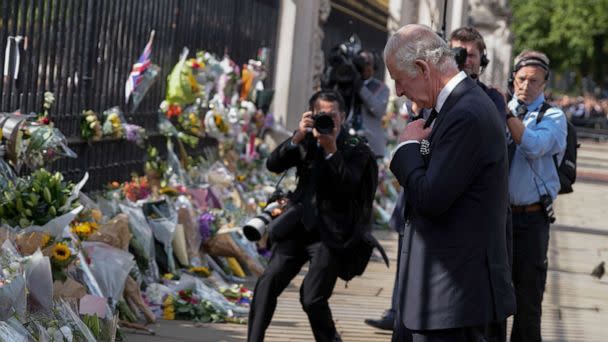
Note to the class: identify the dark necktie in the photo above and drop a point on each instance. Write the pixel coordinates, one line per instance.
(521, 110)
(431, 118)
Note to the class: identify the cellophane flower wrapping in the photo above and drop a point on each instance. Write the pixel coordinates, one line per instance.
(110, 266)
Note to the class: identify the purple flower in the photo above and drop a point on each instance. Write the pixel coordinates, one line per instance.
(132, 132)
(205, 221)
(269, 120)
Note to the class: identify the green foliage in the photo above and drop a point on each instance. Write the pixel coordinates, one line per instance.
(573, 33)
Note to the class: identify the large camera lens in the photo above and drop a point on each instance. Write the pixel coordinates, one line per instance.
(324, 123)
(255, 228)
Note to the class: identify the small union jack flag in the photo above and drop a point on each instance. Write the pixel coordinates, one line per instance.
(139, 68)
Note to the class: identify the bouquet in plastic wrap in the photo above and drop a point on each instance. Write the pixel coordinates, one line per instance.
(62, 254)
(39, 279)
(182, 87)
(224, 309)
(162, 218)
(135, 133)
(167, 128)
(113, 123)
(38, 199)
(110, 266)
(137, 189)
(9, 332)
(155, 168)
(45, 144)
(7, 175)
(190, 120)
(186, 214)
(175, 170)
(228, 82)
(86, 223)
(13, 299)
(142, 243)
(62, 324)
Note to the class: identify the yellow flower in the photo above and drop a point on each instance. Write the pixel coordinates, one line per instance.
(168, 276)
(168, 309)
(200, 270)
(45, 240)
(84, 229)
(61, 252)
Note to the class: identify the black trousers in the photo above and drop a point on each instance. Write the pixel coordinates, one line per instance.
(286, 262)
(530, 244)
(487, 333)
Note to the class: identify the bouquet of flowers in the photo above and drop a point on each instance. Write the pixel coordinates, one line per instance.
(36, 199)
(90, 126)
(166, 128)
(142, 243)
(188, 306)
(12, 282)
(182, 87)
(113, 123)
(137, 189)
(48, 101)
(190, 121)
(45, 144)
(61, 257)
(135, 133)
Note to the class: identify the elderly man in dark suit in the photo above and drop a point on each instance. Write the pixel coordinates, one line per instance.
(455, 282)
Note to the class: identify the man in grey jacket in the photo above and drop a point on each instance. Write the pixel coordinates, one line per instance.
(370, 107)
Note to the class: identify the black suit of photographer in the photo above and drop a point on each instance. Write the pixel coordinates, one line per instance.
(327, 187)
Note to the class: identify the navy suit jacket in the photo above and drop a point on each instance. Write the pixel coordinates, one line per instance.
(454, 270)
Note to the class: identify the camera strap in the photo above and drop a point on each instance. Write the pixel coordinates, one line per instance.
(539, 177)
(281, 179)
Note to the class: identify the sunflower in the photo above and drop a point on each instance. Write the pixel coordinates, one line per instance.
(84, 229)
(61, 252)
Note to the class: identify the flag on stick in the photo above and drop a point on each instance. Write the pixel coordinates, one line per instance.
(139, 68)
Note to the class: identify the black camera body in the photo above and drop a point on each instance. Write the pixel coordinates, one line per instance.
(323, 123)
(343, 62)
(460, 55)
(547, 203)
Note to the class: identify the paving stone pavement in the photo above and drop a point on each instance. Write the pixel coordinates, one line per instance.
(575, 307)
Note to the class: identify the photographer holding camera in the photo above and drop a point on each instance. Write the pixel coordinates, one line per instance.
(370, 106)
(537, 145)
(327, 216)
(476, 61)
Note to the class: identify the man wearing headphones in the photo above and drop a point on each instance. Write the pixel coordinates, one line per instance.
(537, 135)
(367, 114)
(477, 60)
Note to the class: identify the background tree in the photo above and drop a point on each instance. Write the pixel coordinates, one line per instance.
(573, 33)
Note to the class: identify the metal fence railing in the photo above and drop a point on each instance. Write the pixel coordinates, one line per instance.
(83, 50)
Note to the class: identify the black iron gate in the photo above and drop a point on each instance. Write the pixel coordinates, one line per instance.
(83, 50)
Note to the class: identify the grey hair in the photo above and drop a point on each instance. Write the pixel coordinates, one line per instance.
(421, 44)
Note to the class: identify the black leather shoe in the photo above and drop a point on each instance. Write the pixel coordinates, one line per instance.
(386, 322)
